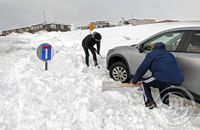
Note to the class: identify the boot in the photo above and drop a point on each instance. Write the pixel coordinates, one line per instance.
(95, 64)
(150, 104)
(87, 61)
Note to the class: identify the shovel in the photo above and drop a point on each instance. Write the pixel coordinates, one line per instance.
(109, 86)
(100, 55)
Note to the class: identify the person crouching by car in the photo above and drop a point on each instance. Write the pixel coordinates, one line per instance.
(165, 73)
(88, 44)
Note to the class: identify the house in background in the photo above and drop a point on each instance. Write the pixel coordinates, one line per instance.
(83, 27)
(101, 24)
(39, 27)
(97, 24)
(135, 22)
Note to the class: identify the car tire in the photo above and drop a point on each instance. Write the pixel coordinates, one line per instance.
(119, 72)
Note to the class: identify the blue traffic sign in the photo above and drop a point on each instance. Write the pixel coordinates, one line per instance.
(46, 52)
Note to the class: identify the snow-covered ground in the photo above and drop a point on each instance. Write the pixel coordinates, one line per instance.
(69, 96)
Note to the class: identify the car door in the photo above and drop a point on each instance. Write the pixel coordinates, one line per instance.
(189, 61)
(173, 41)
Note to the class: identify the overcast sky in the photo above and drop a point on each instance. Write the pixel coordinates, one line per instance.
(20, 13)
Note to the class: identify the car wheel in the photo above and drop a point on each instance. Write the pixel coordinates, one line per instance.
(119, 72)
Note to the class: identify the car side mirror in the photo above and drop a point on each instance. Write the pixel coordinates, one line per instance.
(140, 48)
(149, 48)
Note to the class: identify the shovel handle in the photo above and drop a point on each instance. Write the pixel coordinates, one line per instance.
(131, 85)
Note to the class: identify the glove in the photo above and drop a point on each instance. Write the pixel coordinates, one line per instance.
(133, 80)
(139, 84)
(98, 52)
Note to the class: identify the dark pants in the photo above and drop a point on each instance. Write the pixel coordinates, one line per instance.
(151, 82)
(86, 50)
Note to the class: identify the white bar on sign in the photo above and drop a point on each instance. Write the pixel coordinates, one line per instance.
(46, 53)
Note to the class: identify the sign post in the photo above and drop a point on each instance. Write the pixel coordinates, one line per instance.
(44, 53)
(46, 65)
(91, 27)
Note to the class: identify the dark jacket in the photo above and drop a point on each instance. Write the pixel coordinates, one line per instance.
(163, 66)
(89, 43)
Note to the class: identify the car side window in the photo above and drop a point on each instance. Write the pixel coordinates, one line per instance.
(194, 45)
(171, 40)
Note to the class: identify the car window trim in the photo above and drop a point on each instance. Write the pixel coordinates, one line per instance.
(187, 41)
(182, 41)
(175, 31)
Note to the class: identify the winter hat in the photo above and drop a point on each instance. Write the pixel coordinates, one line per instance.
(97, 36)
(159, 45)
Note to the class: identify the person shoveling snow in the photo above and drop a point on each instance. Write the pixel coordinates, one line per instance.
(88, 42)
(165, 73)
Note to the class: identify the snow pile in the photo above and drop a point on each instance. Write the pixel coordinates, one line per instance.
(68, 96)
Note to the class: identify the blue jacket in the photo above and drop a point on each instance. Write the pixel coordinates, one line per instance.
(163, 66)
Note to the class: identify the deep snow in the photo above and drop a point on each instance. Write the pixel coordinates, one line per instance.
(69, 96)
